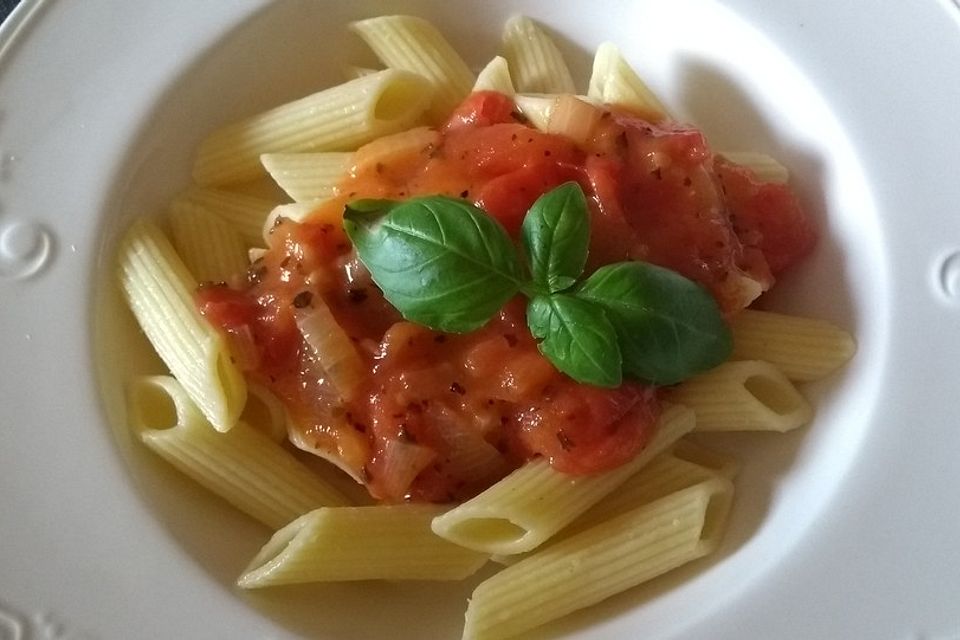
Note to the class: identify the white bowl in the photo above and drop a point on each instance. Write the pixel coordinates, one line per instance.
(101, 106)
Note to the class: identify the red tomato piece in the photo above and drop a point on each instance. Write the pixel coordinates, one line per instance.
(488, 152)
(767, 215)
(226, 307)
(482, 109)
(582, 429)
(508, 197)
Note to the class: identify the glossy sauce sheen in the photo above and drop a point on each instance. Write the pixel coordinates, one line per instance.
(439, 417)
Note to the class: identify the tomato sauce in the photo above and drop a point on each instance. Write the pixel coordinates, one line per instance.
(439, 417)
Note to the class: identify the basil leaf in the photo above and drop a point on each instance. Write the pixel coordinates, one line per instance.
(577, 338)
(669, 327)
(556, 235)
(441, 262)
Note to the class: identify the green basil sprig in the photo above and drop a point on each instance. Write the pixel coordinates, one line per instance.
(447, 264)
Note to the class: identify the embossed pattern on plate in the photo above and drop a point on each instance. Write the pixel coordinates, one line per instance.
(946, 276)
(25, 247)
(15, 625)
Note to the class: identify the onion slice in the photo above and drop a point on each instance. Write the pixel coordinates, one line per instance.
(332, 348)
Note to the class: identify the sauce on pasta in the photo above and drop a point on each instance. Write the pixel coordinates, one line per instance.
(423, 416)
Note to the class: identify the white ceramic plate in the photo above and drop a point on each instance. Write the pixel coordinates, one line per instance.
(845, 530)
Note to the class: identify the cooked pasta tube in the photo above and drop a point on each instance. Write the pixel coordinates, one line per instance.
(766, 168)
(212, 249)
(352, 71)
(802, 348)
(159, 290)
(524, 509)
(245, 213)
(307, 176)
(338, 119)
(716, 461)
(265, 412)
(495, 77)
(295, 211)
(747, 395)
(614, 82)
(243, 466)
(360, 543)
(536, 64)
(665, 474)
(601, 561)
(389, 149)
(413, 44)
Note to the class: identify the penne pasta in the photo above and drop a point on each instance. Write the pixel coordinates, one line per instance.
(601, 561)
(413, 44)
(524, 509)
(803, 349)
(717, 462)
(747, 395)
(390, 148)
(265, 412)
(159, 290)
(495, 77)
(666, 474)
(614, 82)
(536, 64)
(352, 71)
(296, 211)
(243, 466)
(360, 543)
(338, 119)
(212, 250)
(244, 213)
(307, 176)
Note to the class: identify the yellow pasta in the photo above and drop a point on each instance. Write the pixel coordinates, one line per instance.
(524, 509)
(802, 348)
(243, 466)
(601, 561)
(360, 543)
(244, 213)
(265, 412)
(352, 71)
(308, 176)
(415, 45)
(338, 119)
(495, 77)
(159, 290)
(666, 474)
(614, 82)
(536, 64)
(212, 250)
(393, 147)
(717, 462)
(297, 211)
(747, 395)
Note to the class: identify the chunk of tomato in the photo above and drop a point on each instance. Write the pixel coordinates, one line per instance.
(508, 197)
(488, 152)
(766, 215)
(582, 429)
(482, 109)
